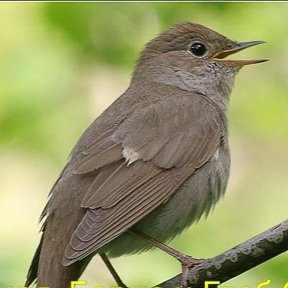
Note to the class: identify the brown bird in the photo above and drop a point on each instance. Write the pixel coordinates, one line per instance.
(150, 165)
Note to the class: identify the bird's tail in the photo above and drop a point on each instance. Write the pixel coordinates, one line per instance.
(47, 270)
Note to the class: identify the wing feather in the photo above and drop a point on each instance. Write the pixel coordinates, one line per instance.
(119, 184)
(93, 161)
(87, 239)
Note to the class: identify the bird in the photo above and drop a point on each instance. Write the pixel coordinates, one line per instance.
(153, 163)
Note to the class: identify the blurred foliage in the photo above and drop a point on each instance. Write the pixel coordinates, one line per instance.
(61, 64)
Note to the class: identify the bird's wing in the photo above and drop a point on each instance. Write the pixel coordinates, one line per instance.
(140, 166)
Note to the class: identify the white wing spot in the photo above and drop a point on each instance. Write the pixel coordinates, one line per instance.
(216, 155)
(130, 155)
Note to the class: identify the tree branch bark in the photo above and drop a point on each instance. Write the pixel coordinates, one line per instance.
(237, 260)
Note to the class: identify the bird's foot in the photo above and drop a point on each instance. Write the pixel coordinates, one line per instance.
(187, 262)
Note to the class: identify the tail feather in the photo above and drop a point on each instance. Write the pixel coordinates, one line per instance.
(32, 272)
(46, 268)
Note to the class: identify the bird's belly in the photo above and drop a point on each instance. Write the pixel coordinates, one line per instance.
(193, 199)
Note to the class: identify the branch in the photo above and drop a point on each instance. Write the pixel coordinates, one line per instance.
(237, 260)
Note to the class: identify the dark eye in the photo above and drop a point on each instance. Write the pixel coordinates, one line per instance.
(198, 49)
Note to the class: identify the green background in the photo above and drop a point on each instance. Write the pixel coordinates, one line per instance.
(61, 64)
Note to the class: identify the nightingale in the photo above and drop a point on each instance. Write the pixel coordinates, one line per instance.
(150, 165)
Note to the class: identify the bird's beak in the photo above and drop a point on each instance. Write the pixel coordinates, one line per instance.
(238, 47)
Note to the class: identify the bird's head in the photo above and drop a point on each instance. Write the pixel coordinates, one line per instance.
(192, 57)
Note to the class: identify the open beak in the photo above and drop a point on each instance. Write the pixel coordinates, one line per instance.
(238, 47)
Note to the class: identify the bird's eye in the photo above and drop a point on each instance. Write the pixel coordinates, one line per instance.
(198, 49)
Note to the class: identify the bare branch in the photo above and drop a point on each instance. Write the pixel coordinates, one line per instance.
(237, 260)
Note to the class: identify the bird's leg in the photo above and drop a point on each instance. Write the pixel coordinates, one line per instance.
(112, 270)
(186, 261)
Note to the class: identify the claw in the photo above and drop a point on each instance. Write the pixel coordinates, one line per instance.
(187, 262)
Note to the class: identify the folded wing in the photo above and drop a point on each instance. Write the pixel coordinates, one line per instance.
(140, 165)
